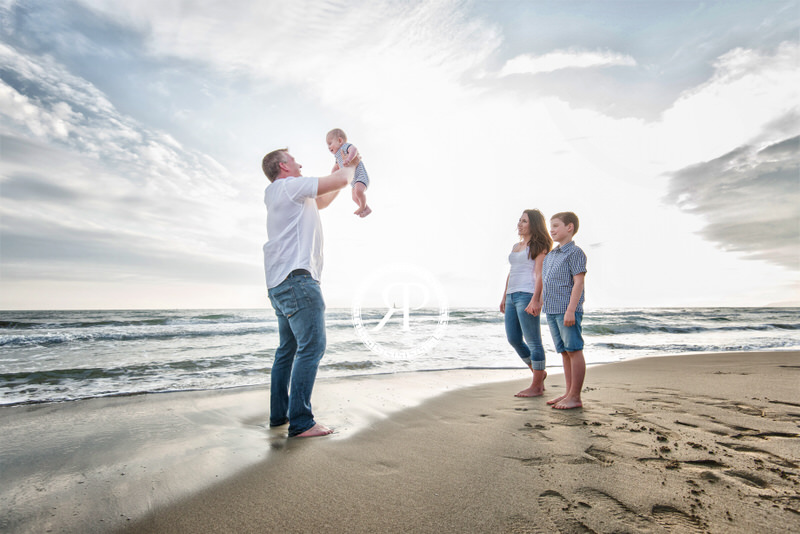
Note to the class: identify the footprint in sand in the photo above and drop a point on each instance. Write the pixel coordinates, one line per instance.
(658, 402)
(768, 456)
(519, 524)
(381, 468)
(532, 461)
(601, 456)
(676, 521)
(600, 504)
(748, 478)
(559, 510)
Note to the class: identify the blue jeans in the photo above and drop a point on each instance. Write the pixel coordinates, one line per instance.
(566, 338)
(519, 323)
(300, 309)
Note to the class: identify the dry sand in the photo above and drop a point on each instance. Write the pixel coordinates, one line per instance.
(699, 443)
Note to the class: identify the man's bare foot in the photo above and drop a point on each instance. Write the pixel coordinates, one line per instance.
(556, 400)
(314, 431)
(568, 404)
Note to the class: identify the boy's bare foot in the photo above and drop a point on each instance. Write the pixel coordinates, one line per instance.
(568, 404)
(314, 431)
(363, 213)
(556, 400)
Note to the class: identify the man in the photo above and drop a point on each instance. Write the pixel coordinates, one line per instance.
(293, 264)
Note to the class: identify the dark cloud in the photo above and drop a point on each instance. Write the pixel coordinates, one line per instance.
(750, 199)
(33, 187)
(45, 252)
(644, 97)
(787, 148)
(15, 149)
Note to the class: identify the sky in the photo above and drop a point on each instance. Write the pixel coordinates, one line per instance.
(131, 137)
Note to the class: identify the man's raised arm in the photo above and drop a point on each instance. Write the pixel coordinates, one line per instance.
(329, 186)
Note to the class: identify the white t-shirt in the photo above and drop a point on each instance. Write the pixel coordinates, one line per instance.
(294, 230)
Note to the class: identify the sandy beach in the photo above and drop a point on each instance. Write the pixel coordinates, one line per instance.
(690, 443)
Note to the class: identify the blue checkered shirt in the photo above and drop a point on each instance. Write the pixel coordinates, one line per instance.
(560, 265)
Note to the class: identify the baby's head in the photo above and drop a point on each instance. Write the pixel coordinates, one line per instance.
(335, 139)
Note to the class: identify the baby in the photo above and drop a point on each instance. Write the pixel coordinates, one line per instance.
(344, 152)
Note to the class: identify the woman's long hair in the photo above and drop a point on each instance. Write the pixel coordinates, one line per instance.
(540, 238)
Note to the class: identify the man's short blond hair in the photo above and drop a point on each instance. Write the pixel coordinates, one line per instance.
(337, 132)
(271, 164)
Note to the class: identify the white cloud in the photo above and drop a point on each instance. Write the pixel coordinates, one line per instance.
(71, 111)
(452, 163)
(19, 109)
(74, 169)
(749, 90)
(369, 56)
(565, 59)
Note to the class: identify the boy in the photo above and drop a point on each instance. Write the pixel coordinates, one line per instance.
(344, 152)
(563, 276)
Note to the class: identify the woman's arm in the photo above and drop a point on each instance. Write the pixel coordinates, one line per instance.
(503, 302)
(535, 306)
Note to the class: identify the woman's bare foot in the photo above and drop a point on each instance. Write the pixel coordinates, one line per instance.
(556, 400)
(531, 392)
(314, 431)
(568, 404)
(536, 389)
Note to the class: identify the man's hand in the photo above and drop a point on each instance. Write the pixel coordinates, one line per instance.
(353, 157)
(569, 318)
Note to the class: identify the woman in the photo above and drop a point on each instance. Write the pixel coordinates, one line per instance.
(522, 298)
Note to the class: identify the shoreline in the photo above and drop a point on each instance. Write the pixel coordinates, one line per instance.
(433, 441)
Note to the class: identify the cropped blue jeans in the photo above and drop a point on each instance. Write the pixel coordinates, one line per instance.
(300, 309)
(520, 323)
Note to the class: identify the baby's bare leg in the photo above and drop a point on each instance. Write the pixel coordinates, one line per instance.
(360, 198)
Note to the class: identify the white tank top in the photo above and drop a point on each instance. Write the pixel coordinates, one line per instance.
(522, 276)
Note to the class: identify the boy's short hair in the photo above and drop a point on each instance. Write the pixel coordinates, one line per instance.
(337, 132)
(567, 217)
(271, 163)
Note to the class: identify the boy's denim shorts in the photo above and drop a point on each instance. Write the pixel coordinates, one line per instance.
(566, 338)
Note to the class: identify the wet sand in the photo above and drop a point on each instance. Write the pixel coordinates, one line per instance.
(697, 443)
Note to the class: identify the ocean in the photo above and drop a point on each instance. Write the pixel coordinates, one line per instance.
(59, 356)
